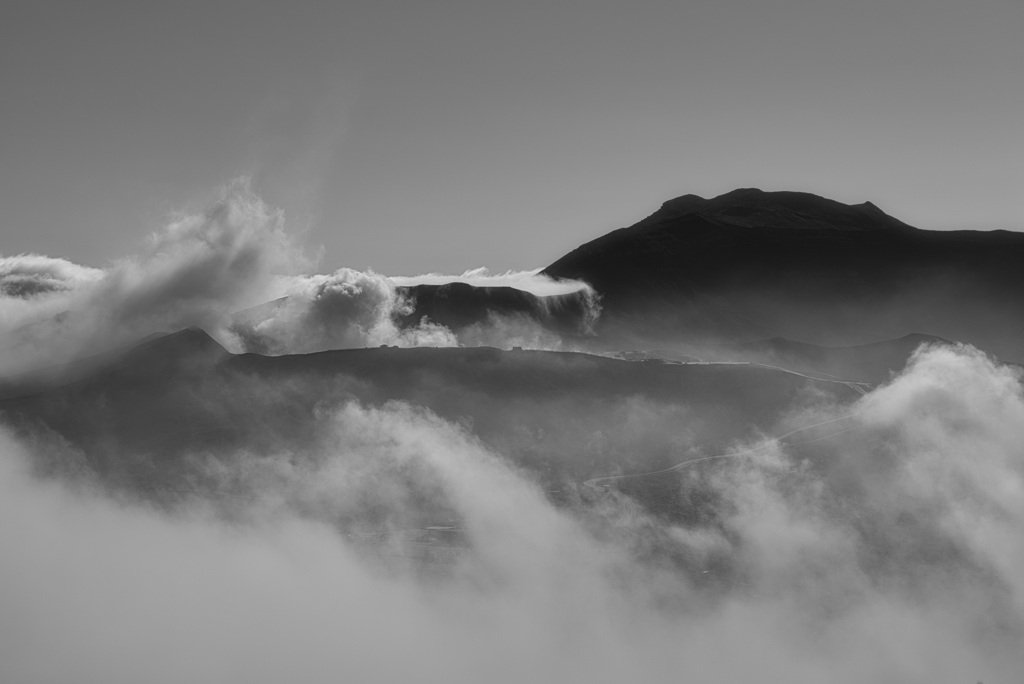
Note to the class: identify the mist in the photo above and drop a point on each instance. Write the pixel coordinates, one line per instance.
(195, 271)
(235, 270)
(888, 553)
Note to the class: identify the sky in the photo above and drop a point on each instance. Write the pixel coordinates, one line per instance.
(413, 137)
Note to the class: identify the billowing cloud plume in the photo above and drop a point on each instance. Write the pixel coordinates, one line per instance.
(233, 270)
(344, 309)
(200, 268)
(194, 272)
(350, 308)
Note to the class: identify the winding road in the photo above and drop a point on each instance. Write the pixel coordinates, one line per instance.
(602, 483)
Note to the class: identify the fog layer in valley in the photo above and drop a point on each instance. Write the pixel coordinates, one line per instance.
(891, 555)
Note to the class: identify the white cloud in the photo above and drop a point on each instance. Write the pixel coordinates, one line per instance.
(894, 554)
(34, 275)
(344, 309)
(530, 281)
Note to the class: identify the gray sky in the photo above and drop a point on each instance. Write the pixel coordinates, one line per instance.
(439, 136)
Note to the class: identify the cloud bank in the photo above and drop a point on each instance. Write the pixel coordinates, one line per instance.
(891, 553)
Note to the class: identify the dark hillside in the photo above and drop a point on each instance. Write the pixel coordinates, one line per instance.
(564, 416)
(752, 265)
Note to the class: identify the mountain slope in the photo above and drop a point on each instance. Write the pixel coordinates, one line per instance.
(142, 420)
(753, 265)
(871, 363)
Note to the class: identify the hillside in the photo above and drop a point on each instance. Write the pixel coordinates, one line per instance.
(756, 265)
(872, 363)
(565, 417)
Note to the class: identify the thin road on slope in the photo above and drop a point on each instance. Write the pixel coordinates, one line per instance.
(603, 482)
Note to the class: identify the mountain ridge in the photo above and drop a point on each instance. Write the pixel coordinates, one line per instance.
(750, 207)
(751, 264)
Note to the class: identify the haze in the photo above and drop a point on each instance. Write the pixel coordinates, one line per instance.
(497, 134)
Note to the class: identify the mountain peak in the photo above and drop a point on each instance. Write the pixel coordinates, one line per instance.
(755, 208)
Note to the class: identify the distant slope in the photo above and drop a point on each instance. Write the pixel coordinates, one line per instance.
(140, 420)
(872, 363)
(38, 379)
(752, 265)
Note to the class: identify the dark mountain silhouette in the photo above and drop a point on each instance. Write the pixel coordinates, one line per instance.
(753, 265)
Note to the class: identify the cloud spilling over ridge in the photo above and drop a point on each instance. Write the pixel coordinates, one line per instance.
(529, 281)
(556, 307)
(350, 309)
(344, 309)
(893, 554)
(203, 268)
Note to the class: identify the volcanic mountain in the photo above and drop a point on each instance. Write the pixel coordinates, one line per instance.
(751, 265)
